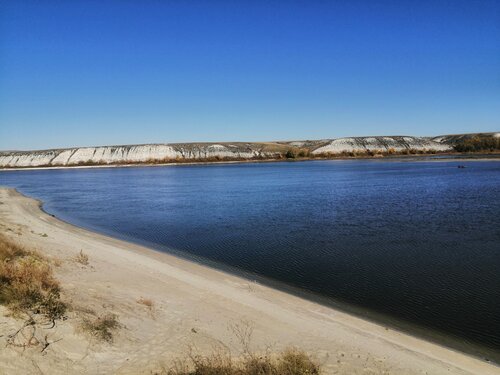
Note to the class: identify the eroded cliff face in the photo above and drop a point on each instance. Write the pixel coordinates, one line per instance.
(384, 144)
(157, 153)
(133, 154)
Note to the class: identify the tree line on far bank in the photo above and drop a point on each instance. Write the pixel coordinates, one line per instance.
(478, 144)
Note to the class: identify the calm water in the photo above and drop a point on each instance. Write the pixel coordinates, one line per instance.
(415, 241)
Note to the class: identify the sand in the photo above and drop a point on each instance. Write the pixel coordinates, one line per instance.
(195, 308)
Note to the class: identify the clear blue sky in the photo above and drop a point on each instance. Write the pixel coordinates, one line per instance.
(117, 72)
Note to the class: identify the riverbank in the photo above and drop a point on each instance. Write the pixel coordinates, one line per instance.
(194, 306)
(478, 156)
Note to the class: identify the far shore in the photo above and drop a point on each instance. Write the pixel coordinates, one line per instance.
(443, 157)
(195, 307)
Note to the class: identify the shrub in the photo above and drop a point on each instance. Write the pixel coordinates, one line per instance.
(477, 143)
(28, 285)
(303, 153)
(101, 327)
(82, 258)
(290, 154)
(10, 250)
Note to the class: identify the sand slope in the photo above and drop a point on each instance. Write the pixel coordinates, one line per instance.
(195, 307)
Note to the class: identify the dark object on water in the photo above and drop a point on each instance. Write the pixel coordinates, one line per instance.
(461, 166)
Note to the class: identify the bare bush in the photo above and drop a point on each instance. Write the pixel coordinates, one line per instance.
(82, 258)
(101, 327)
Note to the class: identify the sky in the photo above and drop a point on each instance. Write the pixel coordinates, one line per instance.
(87, 73)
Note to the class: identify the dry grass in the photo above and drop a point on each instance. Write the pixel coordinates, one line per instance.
(101, 327)
(288, 362)
(28, 284)
(9, 249)
(221, 362)
(82, 258)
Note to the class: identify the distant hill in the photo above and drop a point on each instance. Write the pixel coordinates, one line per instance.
(385, 144)
(227, 151)
(452, 139)
(473, 142)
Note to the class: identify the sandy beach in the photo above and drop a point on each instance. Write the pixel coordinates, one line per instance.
(195, 308)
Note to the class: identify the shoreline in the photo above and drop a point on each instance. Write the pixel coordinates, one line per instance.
(444, 339)
(444, 157)
(285, 318)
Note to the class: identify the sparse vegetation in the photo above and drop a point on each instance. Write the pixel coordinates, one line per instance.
(28, 284)
(101, 327)
(288, 362)
(82, 258)
(221, 362)
(30, 291)
(374, 153)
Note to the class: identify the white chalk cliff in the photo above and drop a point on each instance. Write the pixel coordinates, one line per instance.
(130, 154)
(384, 144)
(206, 151)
